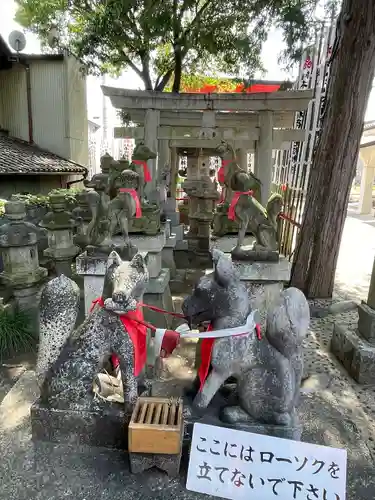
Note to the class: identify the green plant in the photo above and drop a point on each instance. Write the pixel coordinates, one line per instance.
(69, 194)
(16, 332)
(35, 200)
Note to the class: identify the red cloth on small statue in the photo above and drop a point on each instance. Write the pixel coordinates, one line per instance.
(146, 171)
(137, 333)
(169, 342)
(221, 175)
(235, 198)
(206, 353)
(133, 193)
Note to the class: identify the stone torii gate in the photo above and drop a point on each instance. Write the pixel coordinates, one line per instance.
(256, 123)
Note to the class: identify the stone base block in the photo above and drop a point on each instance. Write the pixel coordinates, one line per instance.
(366, 322)
(227, 243)
(292, 432)
(168, 262)
(178, 230)
(355, 353)
(174, 217)
(264, 271)
(264, 281)
(182, 245)
(250, 255)
(159, 295)
(170, 464)
(147, 243)
(107, 428)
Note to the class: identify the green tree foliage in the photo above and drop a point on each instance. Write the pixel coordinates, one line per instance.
(159, 39)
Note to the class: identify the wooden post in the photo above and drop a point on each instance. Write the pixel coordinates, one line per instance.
(263, 154)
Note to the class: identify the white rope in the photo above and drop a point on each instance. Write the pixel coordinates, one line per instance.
(185, 332)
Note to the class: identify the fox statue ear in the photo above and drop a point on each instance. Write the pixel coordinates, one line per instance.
(114, 260)
(224, 270)
(138, 262)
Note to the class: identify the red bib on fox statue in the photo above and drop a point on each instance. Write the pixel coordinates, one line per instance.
(137, 331)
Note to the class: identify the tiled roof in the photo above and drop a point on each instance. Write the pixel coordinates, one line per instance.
(18, 157)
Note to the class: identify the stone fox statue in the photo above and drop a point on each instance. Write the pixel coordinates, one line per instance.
(69, 359)
(235, 178)
(141, 155)
(260, 221)
(268, 370)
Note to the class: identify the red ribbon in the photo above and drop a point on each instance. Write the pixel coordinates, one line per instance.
(146, 171)
(224, 163)
(133, 193)
(137, 331)
(136, 327)
(221, 175)
(289, 219)
(232, 206)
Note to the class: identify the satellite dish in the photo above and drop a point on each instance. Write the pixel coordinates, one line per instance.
(17, 40)
(53, 37)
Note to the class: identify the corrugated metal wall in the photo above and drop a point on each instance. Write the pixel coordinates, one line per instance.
(48, 106)
(59, 111)
(77, 112)
(13, 102)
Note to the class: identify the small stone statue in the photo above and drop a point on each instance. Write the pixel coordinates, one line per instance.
(126, 204)
(268, 370)
(69, 360)
(262, 223)
(141, 155)
(235, 178)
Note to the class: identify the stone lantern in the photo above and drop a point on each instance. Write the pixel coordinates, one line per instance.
(82, 215)
(19, 249)
(60, 225)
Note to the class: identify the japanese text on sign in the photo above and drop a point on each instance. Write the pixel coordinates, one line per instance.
(232, 464)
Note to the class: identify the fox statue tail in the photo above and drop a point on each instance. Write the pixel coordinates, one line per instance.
(59, 307)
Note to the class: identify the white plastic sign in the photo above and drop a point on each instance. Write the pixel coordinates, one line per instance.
(241, 465)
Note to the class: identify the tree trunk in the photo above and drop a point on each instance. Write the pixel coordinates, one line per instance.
(177, 69)
(334, 164)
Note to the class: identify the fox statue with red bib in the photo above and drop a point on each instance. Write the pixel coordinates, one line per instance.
(269, 369)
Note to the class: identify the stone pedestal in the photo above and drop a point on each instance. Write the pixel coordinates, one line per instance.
(264, 280)
(92, 268)
(354, 345)
(228, 242)
(106, 428)
(158, 293)
(167, 255)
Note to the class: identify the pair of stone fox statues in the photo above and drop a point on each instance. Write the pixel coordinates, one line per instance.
(268, 371)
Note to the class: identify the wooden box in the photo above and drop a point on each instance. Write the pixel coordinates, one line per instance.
(156, 426)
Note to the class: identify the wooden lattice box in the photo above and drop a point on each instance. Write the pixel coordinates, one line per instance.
(156, 426)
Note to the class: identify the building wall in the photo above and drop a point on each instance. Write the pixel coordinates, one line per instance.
(76, 111)
(59, 108)
(48, 106)
(13, 102)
